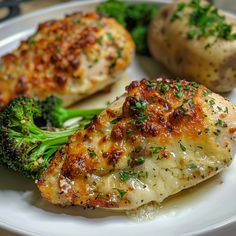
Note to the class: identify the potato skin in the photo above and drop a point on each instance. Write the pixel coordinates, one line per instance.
(214, 67)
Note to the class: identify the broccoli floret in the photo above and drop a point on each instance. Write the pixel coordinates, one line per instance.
(139, 35)
(55, 115)
(115, 9)
(135, 18)
(140, 14)
(25, 147)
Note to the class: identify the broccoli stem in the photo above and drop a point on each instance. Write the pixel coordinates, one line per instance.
(66, 114)
(24, 145)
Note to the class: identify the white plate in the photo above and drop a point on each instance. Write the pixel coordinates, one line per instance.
(209, 209)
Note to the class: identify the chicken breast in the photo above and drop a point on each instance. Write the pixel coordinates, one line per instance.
(71, 58)
(159, 138)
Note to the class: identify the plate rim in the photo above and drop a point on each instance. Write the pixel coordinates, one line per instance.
(225, 224)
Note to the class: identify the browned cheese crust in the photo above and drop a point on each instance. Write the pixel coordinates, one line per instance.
(71, 57)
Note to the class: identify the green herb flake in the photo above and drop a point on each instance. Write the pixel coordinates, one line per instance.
(126, 175)
(156, 150)
(164, 88)
(194, 84)
(182, 109)
(207, 130)
(142, 117)
(211, 102)
(205, 21)
(186, 87)
(121, 192)
(78, 21)
(100, 40)
(183, 148)
(110, 36)
(179, 13)
(178, 94)
(139, 161)
(178, 86)
(32, 41)
(140, 105)
(150, 84)
(226, 110)
(92, 153)
(192, 166)
(217, 132)
(186, 101)
(191, 104)
(221, 123)
(114, 121)
(206, 92)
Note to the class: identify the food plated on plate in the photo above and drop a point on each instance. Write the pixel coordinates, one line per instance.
(196, 41)
(72, 58)
(160, 137)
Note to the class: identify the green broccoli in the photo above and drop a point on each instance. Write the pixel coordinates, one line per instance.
(135, 18)
(115, 9)
(139, 35)
(24, 146)
(55, 115)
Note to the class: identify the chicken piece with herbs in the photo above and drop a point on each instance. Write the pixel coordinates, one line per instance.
(157, 139)
(71, 57)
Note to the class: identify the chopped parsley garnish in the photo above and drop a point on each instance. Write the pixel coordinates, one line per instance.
(206, 92)
(142, 117)
(139, 161)
(207, 130)
(205, 21)
(126, 175)
(92, 153)
(164, 88)
(149, 83)
(110, 36)
(115, 120)
(32, 42)
(211, 102)
(221, 123)
(100, 40)
(226, 110)
(194, 84)
(121, 192)
(179, 13)
(182, 109)
(178, 86)
(191, 104)
(78, 21)
(183, 148)
(139, 105)
(217, 132)
(186, 101)
(178, 94)
(186, 87)
(192, 166)
(156, 150)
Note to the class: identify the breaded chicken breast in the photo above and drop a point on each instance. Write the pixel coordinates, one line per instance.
(71, 57)
(157, 139)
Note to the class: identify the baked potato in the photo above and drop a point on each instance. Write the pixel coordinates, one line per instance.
(195, 46)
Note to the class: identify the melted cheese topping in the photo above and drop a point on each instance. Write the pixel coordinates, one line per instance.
(158, 139)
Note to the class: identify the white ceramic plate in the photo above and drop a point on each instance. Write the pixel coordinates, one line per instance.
(209, 209)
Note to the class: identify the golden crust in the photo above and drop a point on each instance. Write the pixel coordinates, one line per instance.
(161, 134)
(71, 57)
